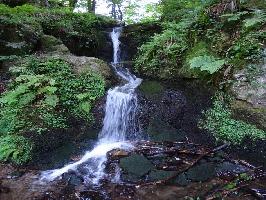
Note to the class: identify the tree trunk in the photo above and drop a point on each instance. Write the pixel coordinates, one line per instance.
(120, 13)
(113, 13)
(91, 5)
(72, 3)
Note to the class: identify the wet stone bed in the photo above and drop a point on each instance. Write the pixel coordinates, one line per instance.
(153, 170)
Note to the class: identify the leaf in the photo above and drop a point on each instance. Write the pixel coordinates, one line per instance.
(51, 100)
(82, 96)
(85, 106)
(48, 90)
(27, 98)
(248, 23)
(206, 63)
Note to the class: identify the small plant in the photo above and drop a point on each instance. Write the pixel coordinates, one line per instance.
(16, 148)
(218, 120)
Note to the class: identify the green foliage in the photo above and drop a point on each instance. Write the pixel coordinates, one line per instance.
(45, 95)
(256, 21)
(202, 59)
(159, 57)
(53, 20)
(206, 63)
(246, 48)
(15, 148)
(218, 120)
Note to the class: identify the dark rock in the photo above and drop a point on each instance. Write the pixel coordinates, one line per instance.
(133, 36)
(227, 167)
(135, 166)
(160, 131)
(172, 107)
(156, 175)
(182, 180)
(201, 172)
(18, 39)
(117, 153)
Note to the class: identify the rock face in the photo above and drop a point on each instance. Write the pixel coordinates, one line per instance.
(18, 40)
(133, 36)
(249, 89)
(171, 112)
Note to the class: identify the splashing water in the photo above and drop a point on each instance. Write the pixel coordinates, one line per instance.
(120, 125)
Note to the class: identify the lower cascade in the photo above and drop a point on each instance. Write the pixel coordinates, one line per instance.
(120, 125)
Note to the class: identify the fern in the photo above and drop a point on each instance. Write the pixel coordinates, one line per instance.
(16, 148)
(257, 20)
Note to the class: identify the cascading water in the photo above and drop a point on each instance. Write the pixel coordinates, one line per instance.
(119, 126)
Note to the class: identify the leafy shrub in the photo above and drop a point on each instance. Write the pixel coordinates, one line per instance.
(16, 148)
(202, 59)
(256, 21)
(246, 48)
(218, 120)
(159, 57)
(45, 95)
(206, 63)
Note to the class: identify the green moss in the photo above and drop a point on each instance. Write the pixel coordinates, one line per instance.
(218, 120)
(151, 88)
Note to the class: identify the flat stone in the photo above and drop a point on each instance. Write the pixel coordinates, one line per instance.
(136, 165)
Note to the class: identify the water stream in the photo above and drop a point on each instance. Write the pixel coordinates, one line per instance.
(120, 125)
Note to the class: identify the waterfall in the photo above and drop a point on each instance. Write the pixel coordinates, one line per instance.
(120, 124)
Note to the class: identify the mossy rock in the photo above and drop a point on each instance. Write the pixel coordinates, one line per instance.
(151, 89)
(50, 43)
(18, 40)
(246, 112)
(82, 64)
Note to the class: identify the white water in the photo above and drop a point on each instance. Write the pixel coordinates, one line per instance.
(120, 125)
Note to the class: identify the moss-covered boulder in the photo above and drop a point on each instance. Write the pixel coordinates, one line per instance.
(82, 64)
(52, 44)
(18, 39)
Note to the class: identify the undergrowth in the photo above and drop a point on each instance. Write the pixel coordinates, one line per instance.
(44, 96)
(219, 121)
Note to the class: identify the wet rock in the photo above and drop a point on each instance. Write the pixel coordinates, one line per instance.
(227, 167)
(156, 175)
(15, 174)
(135, 166)
(172, 106)
(182, 180)
(160, 131)
(201, 172)
(117, 153)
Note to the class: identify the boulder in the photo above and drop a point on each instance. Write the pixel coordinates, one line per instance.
(135, 166)
(250, 94)
(18, 39)
(82, 63)
(50, 43)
